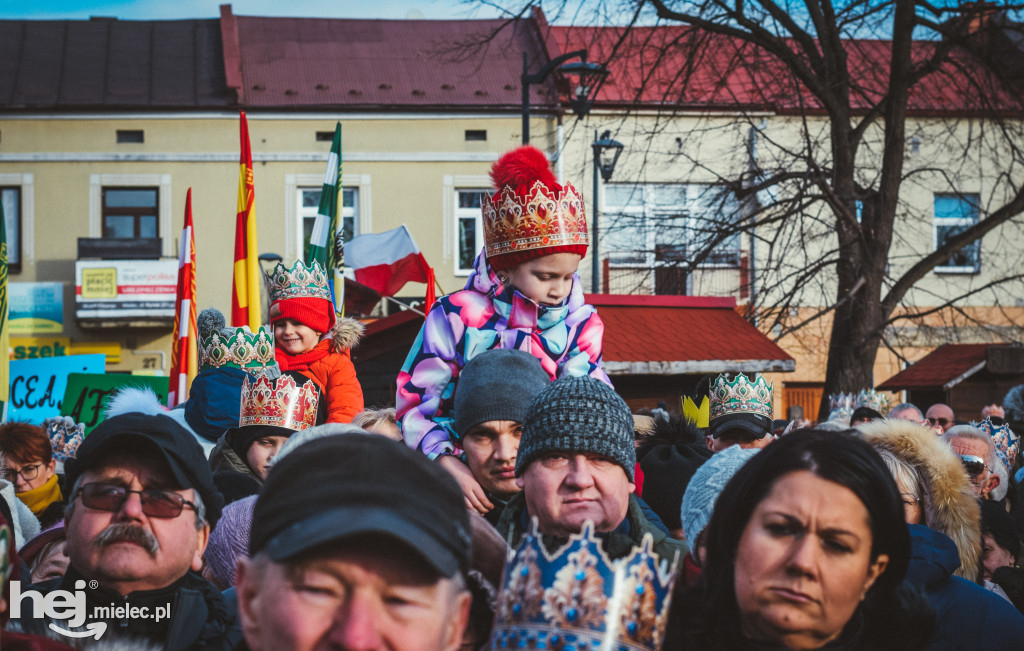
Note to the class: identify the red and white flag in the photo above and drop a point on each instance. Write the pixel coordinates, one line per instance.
(387, 261)
(184, 358)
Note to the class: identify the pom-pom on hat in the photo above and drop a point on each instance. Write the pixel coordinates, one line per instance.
(531, 215)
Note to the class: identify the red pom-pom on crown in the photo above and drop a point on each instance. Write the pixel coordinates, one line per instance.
(520, 168)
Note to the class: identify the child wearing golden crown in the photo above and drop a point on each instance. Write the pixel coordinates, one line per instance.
(311, 341)
(524, 294)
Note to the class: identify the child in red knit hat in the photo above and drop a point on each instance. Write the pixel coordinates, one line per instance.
(311, 341)
(524, 294)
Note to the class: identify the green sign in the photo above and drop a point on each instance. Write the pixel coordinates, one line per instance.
(87, 393)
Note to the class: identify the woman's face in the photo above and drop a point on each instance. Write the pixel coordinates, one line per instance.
(804, 562)
(993, 556)
(29, 475)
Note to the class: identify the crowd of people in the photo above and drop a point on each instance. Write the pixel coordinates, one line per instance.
(510, 498)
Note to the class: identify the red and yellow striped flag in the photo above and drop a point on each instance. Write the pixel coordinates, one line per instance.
(245, 297)
(184, 358)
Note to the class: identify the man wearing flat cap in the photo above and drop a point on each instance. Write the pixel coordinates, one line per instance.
(357, 542)
(138, 518)
(575, 464)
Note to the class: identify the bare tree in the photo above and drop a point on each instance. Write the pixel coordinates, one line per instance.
(839, 202)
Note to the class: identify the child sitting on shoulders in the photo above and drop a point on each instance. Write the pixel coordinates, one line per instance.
(310, 340)
(524, 294)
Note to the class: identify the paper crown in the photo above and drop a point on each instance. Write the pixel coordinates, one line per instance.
(301, 281)
(741, 396)
(278, 403)
(699, 416)
(873, 400)
(841, 405)
(543, 219)
(578, 599)
(244, 349)
(65, 436)
(1007, 443)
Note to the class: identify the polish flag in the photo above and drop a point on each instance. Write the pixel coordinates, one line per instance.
(387, 261)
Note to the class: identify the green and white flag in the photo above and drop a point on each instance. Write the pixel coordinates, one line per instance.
(326, 243)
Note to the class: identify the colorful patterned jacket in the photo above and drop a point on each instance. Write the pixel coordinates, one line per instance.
(487, 314)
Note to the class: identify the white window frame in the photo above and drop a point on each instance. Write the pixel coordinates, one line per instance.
(452, 186)
(647, 212)
(165, 204)
(310, 212)
(295, 248)
(961, 221)
(26, 183)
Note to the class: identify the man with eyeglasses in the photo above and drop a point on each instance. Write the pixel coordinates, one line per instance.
(140, 510)
(940, 415)
(977, 453)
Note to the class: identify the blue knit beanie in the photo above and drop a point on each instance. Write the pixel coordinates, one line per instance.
(578, 414)
(705, 486)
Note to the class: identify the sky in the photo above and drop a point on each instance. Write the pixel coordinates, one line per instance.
(176, 9)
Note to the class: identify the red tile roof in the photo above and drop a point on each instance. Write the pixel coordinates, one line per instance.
(668, 335)
(386, 64)
(939, 367)
(654, 67)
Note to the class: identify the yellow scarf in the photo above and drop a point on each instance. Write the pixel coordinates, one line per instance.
(38, 499)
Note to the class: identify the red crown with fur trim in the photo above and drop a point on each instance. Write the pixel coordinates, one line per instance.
(531, 215)
(279, 403)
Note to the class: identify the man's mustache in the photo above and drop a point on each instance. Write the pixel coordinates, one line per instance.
(122, 532)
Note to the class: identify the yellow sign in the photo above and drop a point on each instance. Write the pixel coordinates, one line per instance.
(111, 349)
(39, 347)
(99, 283)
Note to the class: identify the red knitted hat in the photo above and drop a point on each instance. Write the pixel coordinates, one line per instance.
(531, 215)
(315, 313)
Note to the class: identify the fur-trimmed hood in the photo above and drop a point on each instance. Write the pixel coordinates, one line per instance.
(346, 334)
(949, 504)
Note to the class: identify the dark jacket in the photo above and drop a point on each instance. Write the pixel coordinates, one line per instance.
(200, 618)
(224, 458)
(966, 615)
(617, 544)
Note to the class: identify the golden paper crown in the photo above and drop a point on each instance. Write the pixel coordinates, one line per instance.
(278, 403)
(741, 396)
(544, 219)
(578, 599)
(301, 281)
(699, 416)
(244, 349)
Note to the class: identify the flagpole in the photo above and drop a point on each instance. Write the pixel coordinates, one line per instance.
(5, 362)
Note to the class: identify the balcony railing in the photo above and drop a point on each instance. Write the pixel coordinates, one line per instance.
(662, 279)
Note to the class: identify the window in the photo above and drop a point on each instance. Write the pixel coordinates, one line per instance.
(476, 134)
(955, 213)
(130, 212)
(469, 227)
(11, 198)
(660, 225)
(309, 205)
(131, 135)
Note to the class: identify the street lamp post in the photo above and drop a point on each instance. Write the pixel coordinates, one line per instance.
(606, 154)
(580, 99)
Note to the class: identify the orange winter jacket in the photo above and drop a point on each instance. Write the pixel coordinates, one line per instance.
(334, 373)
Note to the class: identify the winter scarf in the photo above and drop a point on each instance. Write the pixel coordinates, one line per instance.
(38, 499)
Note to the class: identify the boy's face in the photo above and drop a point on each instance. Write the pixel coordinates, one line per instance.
(546, 280)
(293, 337)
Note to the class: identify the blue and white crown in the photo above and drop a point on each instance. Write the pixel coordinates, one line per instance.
(841, 406)
(578, 599)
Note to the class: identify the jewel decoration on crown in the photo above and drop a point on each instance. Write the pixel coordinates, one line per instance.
(576, 598)
(742, 395)
(544, 219)
(1007, 443)
(278, 403)
(841, 405)
(65, 436)
(301, 281)
(873, 400)
(244, 349)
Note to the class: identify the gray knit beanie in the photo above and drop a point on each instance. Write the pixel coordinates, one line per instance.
(705, 486)
(497, 385)
(578, 414)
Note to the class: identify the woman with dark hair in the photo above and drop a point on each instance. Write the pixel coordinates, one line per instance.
(806, 549)
(29, 465)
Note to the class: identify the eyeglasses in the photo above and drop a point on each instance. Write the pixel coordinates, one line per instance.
(155, 503)
(973, 465)
(939, 421)
(28, 473)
